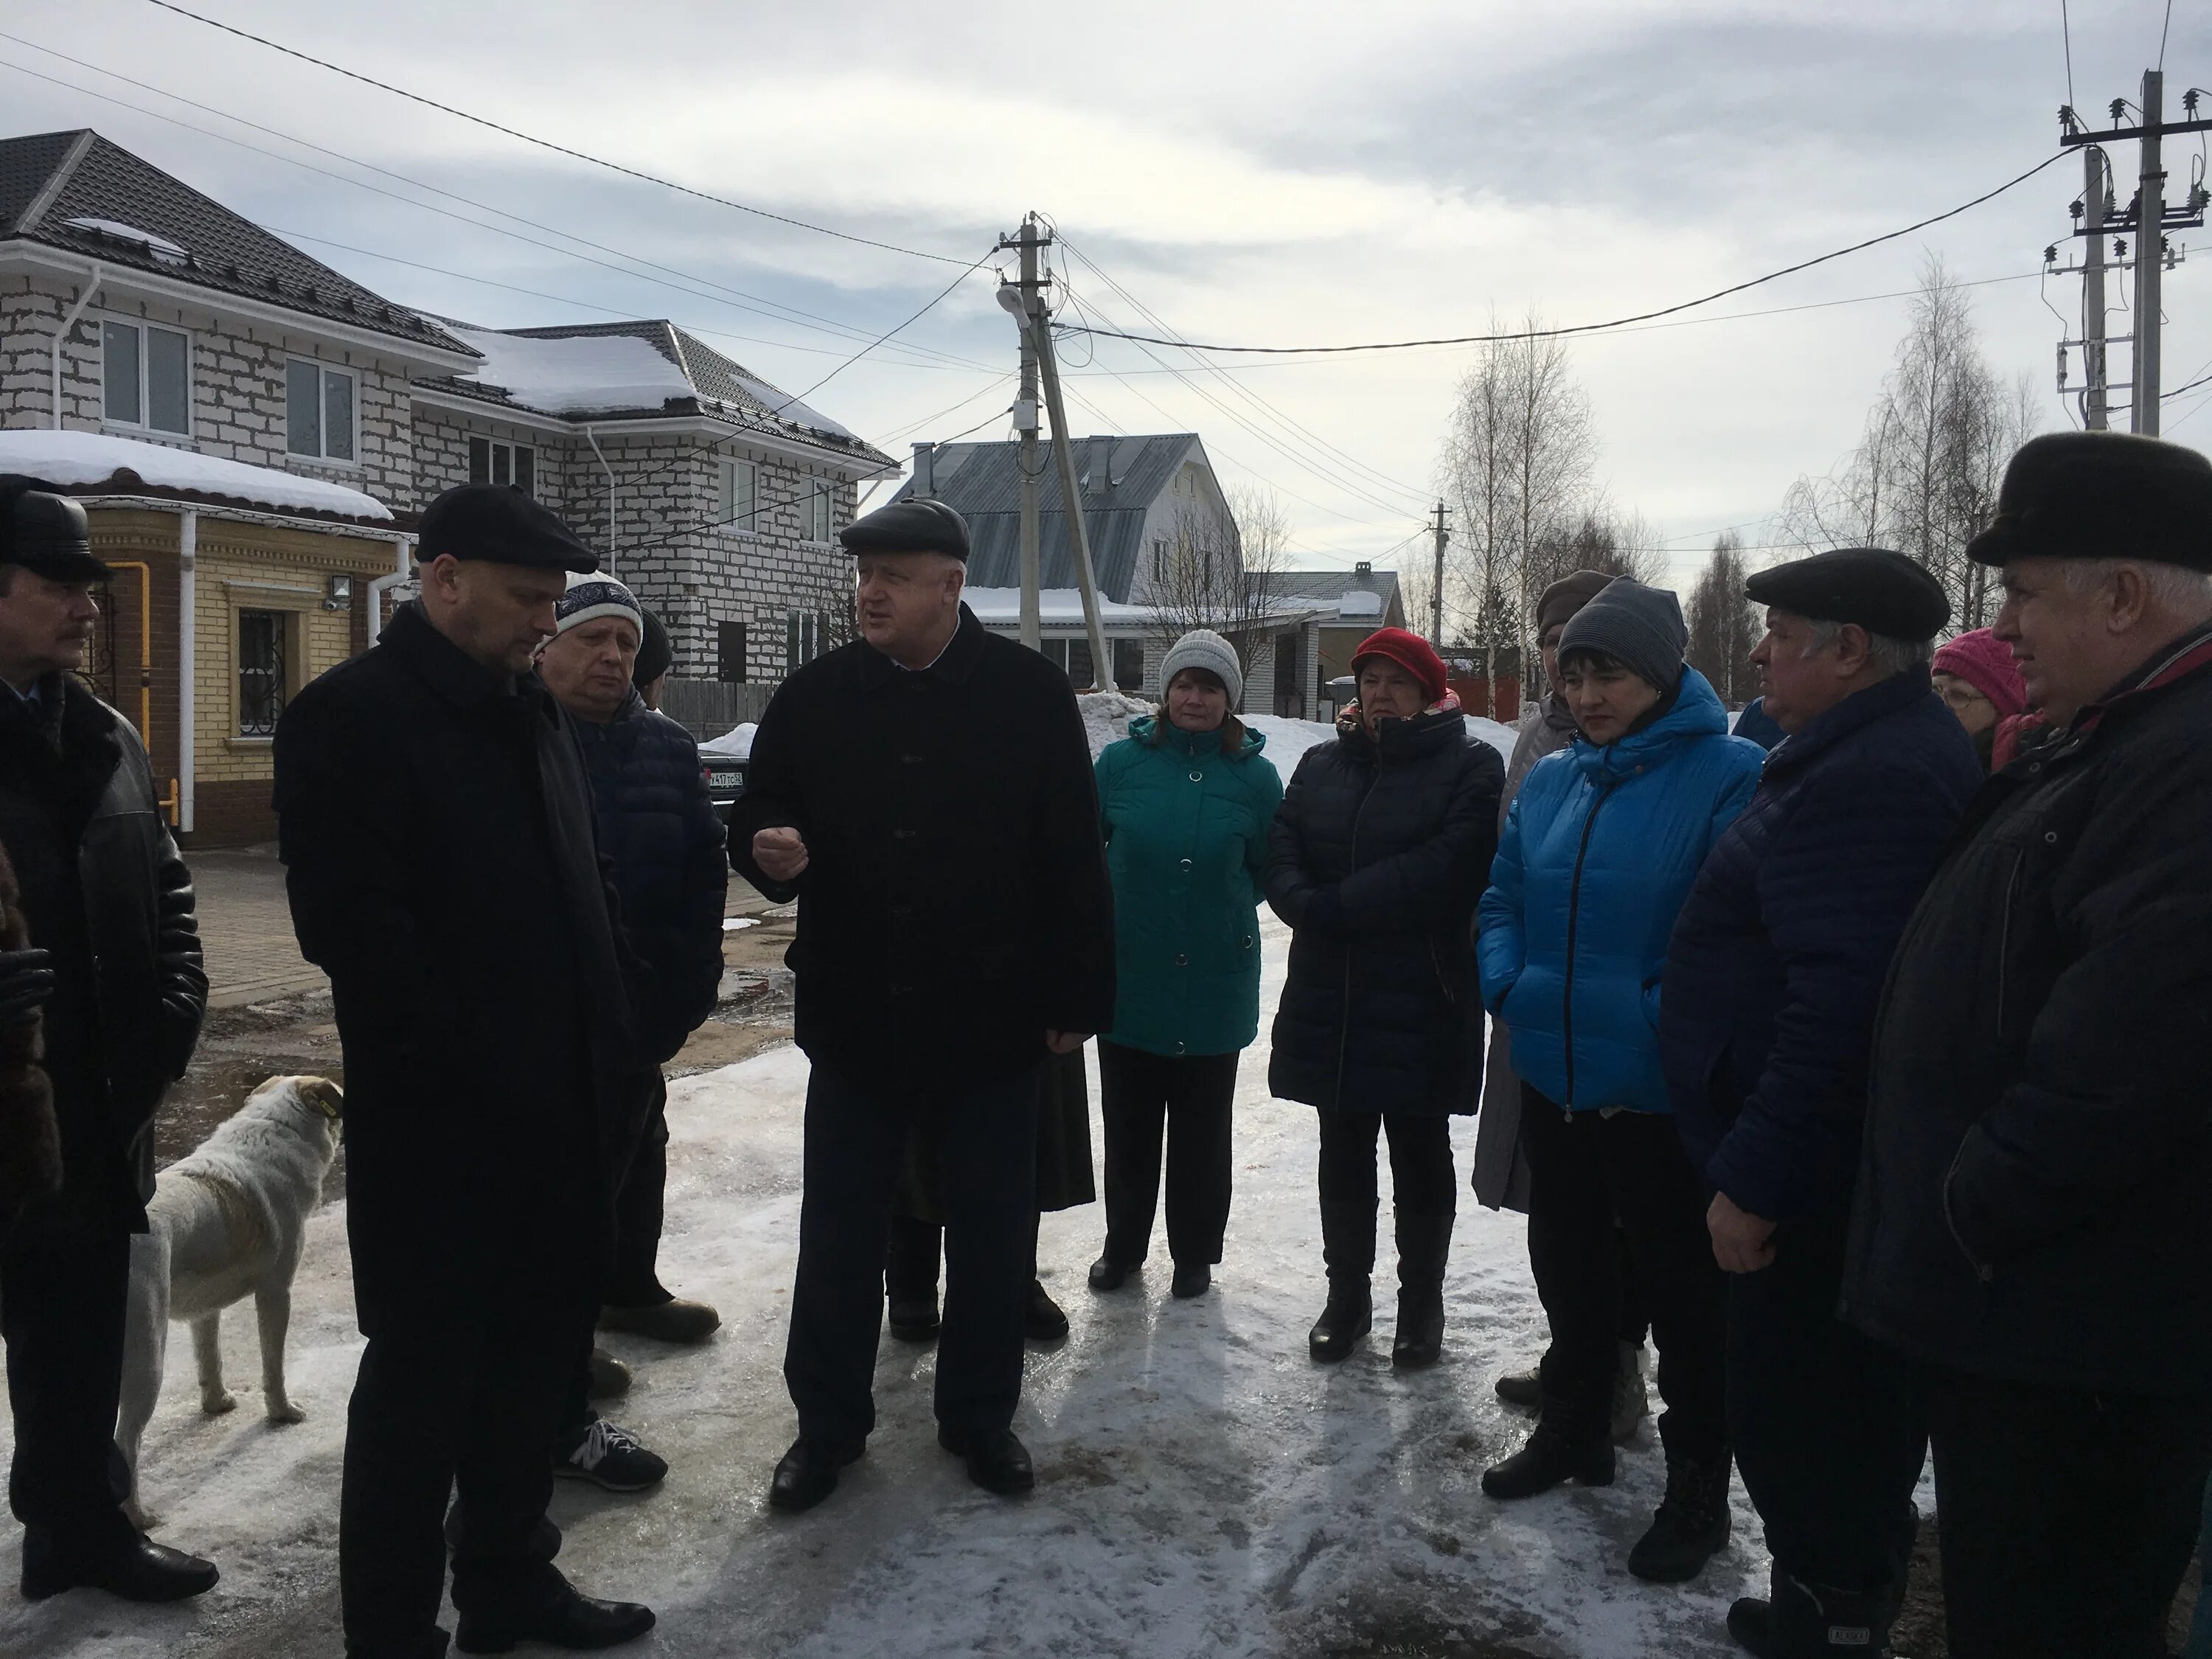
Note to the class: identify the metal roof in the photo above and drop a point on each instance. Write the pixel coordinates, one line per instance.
(982, 483)
(1330, 587)
(49, 178)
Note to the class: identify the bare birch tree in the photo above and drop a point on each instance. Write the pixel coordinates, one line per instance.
(1222, 574)
(1724, 625)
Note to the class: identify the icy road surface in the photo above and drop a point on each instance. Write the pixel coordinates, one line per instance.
(1204, 1488)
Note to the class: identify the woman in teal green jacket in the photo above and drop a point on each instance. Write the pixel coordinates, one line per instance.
(1185, 802)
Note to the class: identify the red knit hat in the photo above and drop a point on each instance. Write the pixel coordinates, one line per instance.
(1411, 652)
(1985, 662)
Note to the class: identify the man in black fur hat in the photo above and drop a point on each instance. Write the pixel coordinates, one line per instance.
(925, 792)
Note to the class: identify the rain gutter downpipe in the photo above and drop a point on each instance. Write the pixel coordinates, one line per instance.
(591, 438)
(382, 585)
(68, 326)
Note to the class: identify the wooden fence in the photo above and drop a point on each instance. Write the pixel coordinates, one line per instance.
(706, 708)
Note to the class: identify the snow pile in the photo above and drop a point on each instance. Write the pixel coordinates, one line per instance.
(1288, 739)
(1205, 1491)
(736, 744)
(572, 376)
(1498, 735)
(78, 459)
(1106, 717)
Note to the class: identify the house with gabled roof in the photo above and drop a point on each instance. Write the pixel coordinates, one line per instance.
(255, 434)
(714, 495)
(1152, 505)
(1353, 606)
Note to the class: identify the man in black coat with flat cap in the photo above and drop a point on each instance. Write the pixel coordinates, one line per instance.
(2034, 1215)
(1766, 1014)
(113, 974)
(925, 793)
(435, 826)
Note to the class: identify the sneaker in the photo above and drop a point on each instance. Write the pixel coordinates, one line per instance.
(1632, 1400)
(609, 1457)
(1691, 1527)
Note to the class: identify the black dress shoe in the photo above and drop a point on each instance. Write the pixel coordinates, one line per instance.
(915, 1318)
(1108, 1275)
(579, 1623)
(137, 1569)
(1549, 1459)
(1191, 1281)
(808, 1473)
(997, 1462)
(1043, 1320)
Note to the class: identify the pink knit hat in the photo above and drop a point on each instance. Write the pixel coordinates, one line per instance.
(1985, 662)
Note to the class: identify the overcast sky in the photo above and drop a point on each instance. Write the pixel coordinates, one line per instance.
(1282, 173)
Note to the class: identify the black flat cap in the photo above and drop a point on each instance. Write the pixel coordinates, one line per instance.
(500, 525)
(920, 524)
(2102, 495)
(45, 533)
(1882, 592)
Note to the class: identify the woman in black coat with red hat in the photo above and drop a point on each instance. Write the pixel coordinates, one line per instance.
(1381, 848)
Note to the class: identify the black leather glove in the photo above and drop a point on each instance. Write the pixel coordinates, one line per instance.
(27, 980)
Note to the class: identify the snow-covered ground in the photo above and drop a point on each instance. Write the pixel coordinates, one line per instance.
(1204, 1488)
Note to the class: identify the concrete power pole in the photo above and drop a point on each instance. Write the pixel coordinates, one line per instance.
(1025, 429)
(2149, 217)
(1070, 499)
(1437, 598)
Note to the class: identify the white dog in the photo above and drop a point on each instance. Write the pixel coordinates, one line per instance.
(227, 1221)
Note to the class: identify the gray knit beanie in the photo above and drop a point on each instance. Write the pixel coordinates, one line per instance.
(1639, 626)
(1204, 649)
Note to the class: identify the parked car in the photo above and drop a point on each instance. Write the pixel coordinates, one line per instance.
(724, 760)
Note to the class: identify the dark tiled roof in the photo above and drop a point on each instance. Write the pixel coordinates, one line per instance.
(48, 178)
(722, 386)
(1329, 587)
(982, 484)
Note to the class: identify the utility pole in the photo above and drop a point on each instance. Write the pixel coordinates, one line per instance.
(1025, 428)
(1436, 597)
(1070, 498)
(2149, 218)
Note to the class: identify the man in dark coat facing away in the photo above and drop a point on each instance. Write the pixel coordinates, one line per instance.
(2032, 1221)
(1766, 1013)
(113, 962)
(436, 831)
(926, 792)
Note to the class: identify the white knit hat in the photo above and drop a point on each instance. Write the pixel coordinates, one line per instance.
(1204, 649)
(592, 597)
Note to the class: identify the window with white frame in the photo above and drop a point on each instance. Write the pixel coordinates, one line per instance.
(816, 506)
(736, 495)
(146, 374)
(800, 632)
(494, 460)
(319, 411)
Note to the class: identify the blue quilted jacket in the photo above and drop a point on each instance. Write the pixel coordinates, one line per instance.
(1599, 850)
(658, 830)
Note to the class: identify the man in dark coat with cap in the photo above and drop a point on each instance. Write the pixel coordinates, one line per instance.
(925, 793)
(436, 830)
(2032, 1221)
(1768, 1005)
(113, 973)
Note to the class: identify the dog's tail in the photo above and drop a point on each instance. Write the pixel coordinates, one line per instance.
(30, 1141)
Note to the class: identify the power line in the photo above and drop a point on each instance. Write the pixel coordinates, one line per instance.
(760, 304)
(2066, 33)
(2162, 29)
(1584, 328)
(547, 143)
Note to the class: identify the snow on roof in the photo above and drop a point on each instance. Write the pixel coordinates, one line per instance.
(1359, 602)
(168, 252)
(785, 407)
(78, 459)
(1057, 607)
(572, 375)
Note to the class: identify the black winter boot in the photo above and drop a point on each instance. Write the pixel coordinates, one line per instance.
(1548, 1460)
(1692, 1524)
(1424, 1247)
(1347, 1242)
(1807, 1621)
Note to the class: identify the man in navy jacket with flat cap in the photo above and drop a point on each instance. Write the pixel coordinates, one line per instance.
(435, 826)
(2033, 1216)
(926, 794)
(1766, 1014)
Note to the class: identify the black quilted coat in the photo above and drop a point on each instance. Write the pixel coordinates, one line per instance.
(1378, 856)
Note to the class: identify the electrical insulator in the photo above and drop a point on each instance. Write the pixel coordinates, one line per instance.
(2119, 247)
(2075, 209)
(2062, 365)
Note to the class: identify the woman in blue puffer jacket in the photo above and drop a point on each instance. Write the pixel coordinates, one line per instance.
(1598, 852)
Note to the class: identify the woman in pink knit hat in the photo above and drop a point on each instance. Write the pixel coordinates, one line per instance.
(1976, 676)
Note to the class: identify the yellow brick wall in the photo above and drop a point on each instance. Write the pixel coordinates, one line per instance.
(256, 568)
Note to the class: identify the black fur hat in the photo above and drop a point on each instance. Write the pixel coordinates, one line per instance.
(2102, 495)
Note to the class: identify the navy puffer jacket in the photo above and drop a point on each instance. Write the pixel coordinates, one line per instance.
(657, 826)
(1766, 1004)
(1378, 855)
